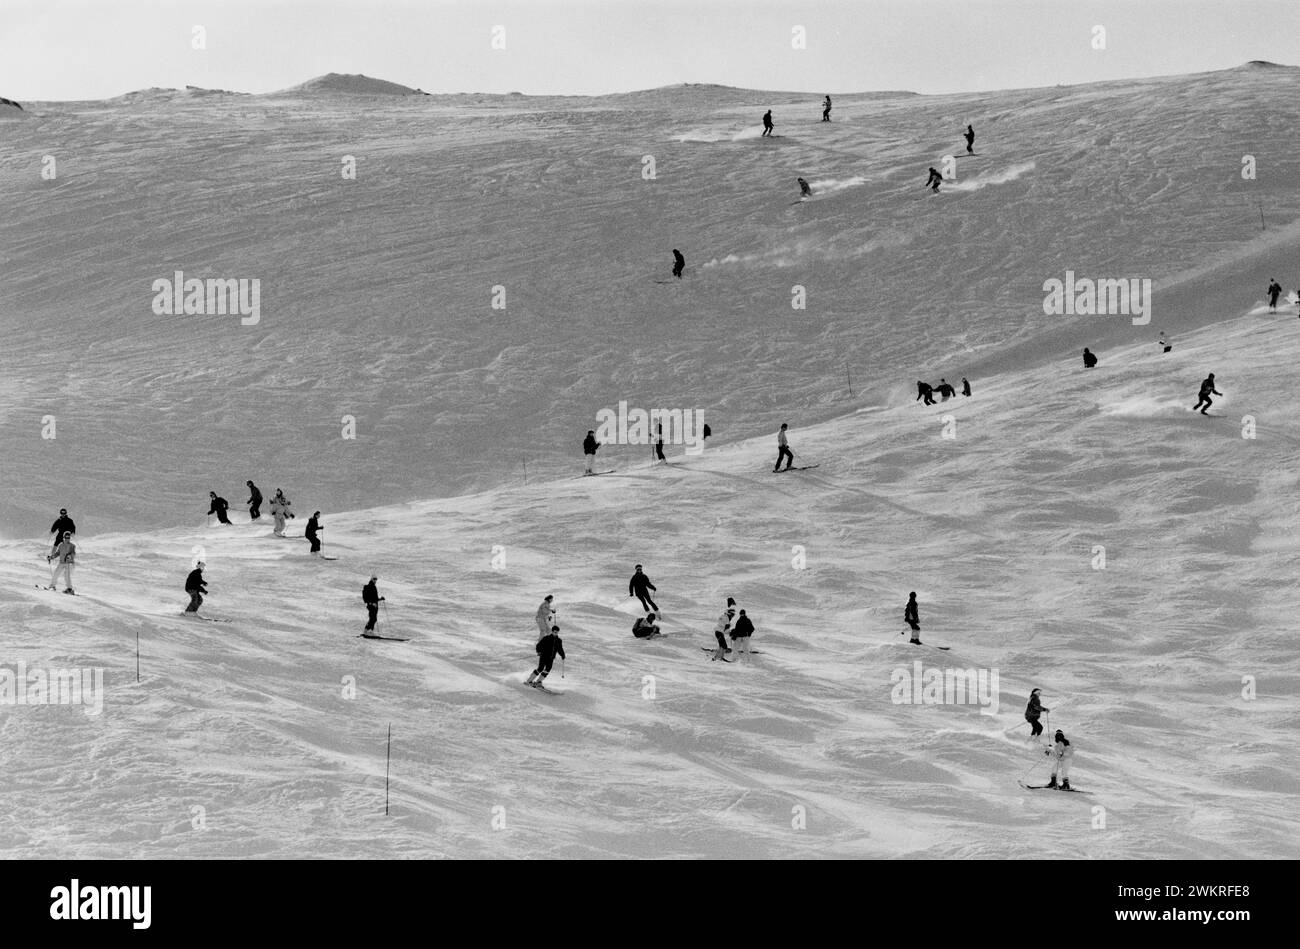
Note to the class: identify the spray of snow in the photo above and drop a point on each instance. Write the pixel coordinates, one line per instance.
(998, 178)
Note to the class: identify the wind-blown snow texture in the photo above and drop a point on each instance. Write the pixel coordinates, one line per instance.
(376, 303)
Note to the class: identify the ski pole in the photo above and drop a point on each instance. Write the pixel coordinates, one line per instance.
(387, 624)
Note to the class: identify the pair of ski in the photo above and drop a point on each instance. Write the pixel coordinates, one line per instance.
(56, 589)
(796, 468)
(540, 688)
(755, 652)
(206, 619)
(391, 639)
(1048, 787)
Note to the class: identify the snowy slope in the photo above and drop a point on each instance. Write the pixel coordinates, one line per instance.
(380, 291)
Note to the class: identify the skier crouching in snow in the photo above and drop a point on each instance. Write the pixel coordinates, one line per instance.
(645, 627)
(218, 507)
(547, 649)
(195, 586)
(1207, 389)
(64, 556)
(924, 391)
(1063, 753)
(1032, 712)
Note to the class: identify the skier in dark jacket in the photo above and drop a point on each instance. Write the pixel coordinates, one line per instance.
(1274, 291)
(645, 628)
(659, 445)
(945, 389)
(925, 391)
(965, 386)
(970, 140)
(826, 109)
(314, 525)
(218, 508)
(195, 586)
(679, 263)
(589, 446)
(741, 632)
(547, 649)
(1032, 711)
(640, 586)
(1089, 360)
(805, 190)
(61, 527)
(370, 596)
(934, 180)
(912, 616)
(767, 122)
(1207, 389)
(254, 501)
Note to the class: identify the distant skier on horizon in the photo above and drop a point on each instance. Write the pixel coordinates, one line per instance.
(589, 446)
(1207, 389)
(640, 586)
(1032, 713)
(62, 524)
(254, 501)
(1062, 751)
(1274, 291)
(370, 596)
(924, 391)
(934, 180)
(679, 263)
(219, 506)
(767, 123)
(659, 445)
(1089, 360)
(313, 527)
(912, 617)
(196, 586)
(970, 139)
(826, 109)
(783, 449)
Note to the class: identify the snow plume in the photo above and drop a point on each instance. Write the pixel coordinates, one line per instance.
(720, 135)
(831, 185)
(802, 250)
(998, 178)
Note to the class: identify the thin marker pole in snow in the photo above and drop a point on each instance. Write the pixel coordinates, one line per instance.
(849, 376)
(137, 655)
(525, 470)
(1261, 216)
(388, 757)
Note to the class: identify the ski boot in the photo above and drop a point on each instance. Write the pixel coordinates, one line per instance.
(1065, 785)
(70, 590)
(1052, 783)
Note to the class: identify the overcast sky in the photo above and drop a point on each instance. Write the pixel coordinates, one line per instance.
(56, 49)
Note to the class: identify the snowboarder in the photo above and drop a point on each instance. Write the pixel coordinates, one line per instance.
(659, 445)
(61, 526)
(370, 596)
(912, 616)
(1032, 712)
(1274, 291)
(925, 391)
(64, 557)
(195, 586)
(767, 122)
(313, 526)
(547, 648)
(589, 446)
(945, 390)
(545, 616)
(1164, 344)
(679, 263)
(826, 109)
(741, 632)
(1207, 389)
(254, 501)
(219, 506)
(720, 633)
(1063, 753)
(934, 180)
(965, 386)
(1089, 360)
(645, 627)
(783, 446)
(970, 140)
(280, 510)
(804, 190)
(640, 587)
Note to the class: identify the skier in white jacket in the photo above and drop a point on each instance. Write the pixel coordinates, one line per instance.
(280, 510)
(1062, 753)
(63, 558)
(545, 617)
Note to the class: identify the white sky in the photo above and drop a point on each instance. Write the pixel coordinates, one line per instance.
(56, 49)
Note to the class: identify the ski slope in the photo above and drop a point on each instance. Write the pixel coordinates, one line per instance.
(376, 298)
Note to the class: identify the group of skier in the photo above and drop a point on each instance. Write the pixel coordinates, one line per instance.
(926, 392)
(63, 555)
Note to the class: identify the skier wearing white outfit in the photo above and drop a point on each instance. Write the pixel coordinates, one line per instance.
(63, 558)
(1063, 753)
(720, 633)
(545, 617)
(280, 510)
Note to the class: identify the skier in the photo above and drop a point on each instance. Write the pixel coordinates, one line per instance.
(767, 122)
(314, 525)
(254, 501)
(659, 445)
(547, 647)
(195, 586)
(826, 109)
(545, 616)
(965, 386)
(912, 616)
(741, 633)
(1274, 291)
(1032, 711)
(589, 446)
(679, 263)
(370, 596)
(645, 627)
(64, 557)
(925, 391)
(280, 510)
(61, 526)
(945, 390)
(934, 180)
(1207, 389)
(218, 507)
(1089, 360)
(804, 190)
(640, 587)
(707, 432)
(1063, 753)
(1164, 344)
(783, 445)
(970, 140)
(720, 633)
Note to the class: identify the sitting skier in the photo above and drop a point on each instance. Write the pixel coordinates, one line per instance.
(645, 627)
